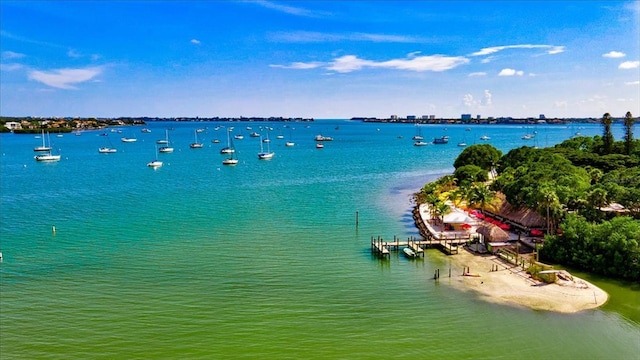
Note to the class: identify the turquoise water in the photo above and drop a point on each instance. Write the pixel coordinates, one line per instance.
(260, 260)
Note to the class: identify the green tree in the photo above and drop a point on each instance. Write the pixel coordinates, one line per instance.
(484, 156)
(607, 136)
(470, 174)
(482, 197)
(548, 200)
(628, 133)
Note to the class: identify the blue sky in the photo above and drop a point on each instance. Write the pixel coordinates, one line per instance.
(321, 59)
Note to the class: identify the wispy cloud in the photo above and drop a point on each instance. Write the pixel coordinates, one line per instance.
(291, 10)
(319, 37)
(350, 63)
(632, 82)
(8, 55)
(479, 73)
(299, 65)
(195, 41)
(65, 78)
(614, 54)
(10, 67)
(510, 72)
(629, 65)
(551, 49)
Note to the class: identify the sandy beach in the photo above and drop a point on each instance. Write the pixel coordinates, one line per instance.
(513, 286)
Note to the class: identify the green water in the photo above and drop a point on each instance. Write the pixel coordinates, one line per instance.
(262, 260)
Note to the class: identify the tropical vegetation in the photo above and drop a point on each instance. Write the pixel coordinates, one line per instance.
(586, 188)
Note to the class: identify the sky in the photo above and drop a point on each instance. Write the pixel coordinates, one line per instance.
(319, 59)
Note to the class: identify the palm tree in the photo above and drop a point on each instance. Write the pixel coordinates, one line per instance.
(628, 133)
(442, 209)
(607, 136)
(547, 200)
(481, 196)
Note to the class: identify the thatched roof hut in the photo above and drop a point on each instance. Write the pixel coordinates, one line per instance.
(492, 233)
(527, 218)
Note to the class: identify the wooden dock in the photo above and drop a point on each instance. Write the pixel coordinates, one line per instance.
(383, 248)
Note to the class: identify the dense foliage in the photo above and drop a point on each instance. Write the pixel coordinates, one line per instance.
(572, 185)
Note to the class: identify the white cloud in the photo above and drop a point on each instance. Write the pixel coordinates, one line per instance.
(12, 55)
(562, 104)
(479, 73)
(291, 10)
(487, 98)
(629, 65)
(10, 67)
(350, 63)
(299, 65)
(73, 54)
(552, 49)
(195, 41)
(632, 82)
(65, 78)
(614, 54)
(510, 72)
(468, 101)
(317, 37)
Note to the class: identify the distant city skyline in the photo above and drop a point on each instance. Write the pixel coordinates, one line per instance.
(312, 59)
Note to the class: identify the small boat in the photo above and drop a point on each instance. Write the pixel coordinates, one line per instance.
(527, 137)
(47, 157)
(199, 130)
(215, 141)
(323, 138)
(44, 147)
(262, 155)
(319, 146)
(419, 143)
(128, 140)
(441, 140)
(280, 137)
(484, 137)
(107, 150)
(195, 144)
(238, 137)
(155, 163)
(289, 143)
(462, 144)
(167, 148)
(228, 149)
(231, 160)
(409, 253)
(145, 130)
(254, 134)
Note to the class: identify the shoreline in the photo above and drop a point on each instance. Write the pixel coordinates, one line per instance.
(511, 285)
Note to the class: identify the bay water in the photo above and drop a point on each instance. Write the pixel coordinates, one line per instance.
(197, 260)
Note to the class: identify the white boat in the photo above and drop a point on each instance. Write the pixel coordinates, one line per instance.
(280, 137)
(527, 137)
(228, 149)
(230, 161)
(319, 146)
(323, 138)
(254, 134)
(195, 144)
(419, 143)
(418, 135)
(265, 155)
(155, 163)
(484, 137)
(145, 130)
(128, 139)
(408, 252)
(48, 156)
(215, 141)
(462, 144)
(44, 147)
(107, 150)
(289, 143)
(167, 148)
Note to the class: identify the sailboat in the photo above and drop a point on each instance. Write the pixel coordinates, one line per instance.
(155, 163)
(418, 136)
(228, 149)
(290, 142)
(48, 156)
(167, 148)
(231, 160)
(262, 155)
(44, 147)
(196, 144)
(107, 149)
